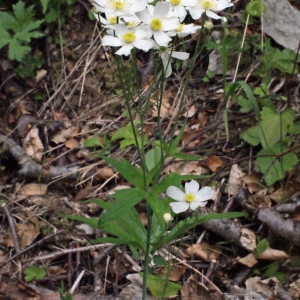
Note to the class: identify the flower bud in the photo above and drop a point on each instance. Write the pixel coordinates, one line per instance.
(208, 25)
(168, 217)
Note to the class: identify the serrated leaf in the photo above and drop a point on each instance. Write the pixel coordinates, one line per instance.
(17, 51)
(7, 20)
(44, 5)
(4, 37)
(162, 288)
(274, 126)
(275, 168)
(261, 247)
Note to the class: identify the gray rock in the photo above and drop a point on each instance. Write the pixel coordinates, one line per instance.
(282, 23)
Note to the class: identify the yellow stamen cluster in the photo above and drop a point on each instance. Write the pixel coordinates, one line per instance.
(175, 2)
(209, 4)
(118, 4)
(179, 29)
(129, 37)
(112, 20)
(156, 24)
(189, 197)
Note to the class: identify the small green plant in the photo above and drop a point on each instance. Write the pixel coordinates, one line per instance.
(17, 28)
(62, 294)
(33, 272)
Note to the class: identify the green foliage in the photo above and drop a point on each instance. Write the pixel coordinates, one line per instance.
(272, 271)
(261, 247)
(23, 26)
(274, 165)
(273, 127)
(272, 58)
(152, 158)
(255, 8)
(161, 287)
(159, 260)
(33, 272)
(127, 135)
(66, 296)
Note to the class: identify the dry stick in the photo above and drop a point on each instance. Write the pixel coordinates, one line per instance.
(31, 246)
(12, 228)
(66, 251)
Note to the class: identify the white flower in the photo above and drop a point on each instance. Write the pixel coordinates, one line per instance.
(110, 22)
(208, 25)
(209, 7)
(158, 24)
(184, 30)
(178, 8)
(119, 7)
(128, 39)
(167, 217)
(166, 54)
(192, 198)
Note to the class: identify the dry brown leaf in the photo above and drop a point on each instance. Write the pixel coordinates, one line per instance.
(176, 272)
(55, 270)
(294, 289)
(40, 74)
(27, 232)
(205, 251)
(282, 194)
(213, 162)
(33, 145)
(164, 108)
(191, 111)
(249, 260)
(194, 290)
(260, 199)
(32, 189)
(71, 143)
(253, 182)
(65, 134)
(185, 168)
(235, 182)
(84, 193)
(273, 254)
(248, 239)
(104, 173)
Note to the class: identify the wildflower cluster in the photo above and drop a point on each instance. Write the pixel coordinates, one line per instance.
(141, 24)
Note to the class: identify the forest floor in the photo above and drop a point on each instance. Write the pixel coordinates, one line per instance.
(77, 97)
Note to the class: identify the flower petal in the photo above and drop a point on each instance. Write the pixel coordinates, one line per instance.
(111, 41)
(204, 194)
(180, 55)
(179, 207)
(161, 38)
(191, 187)
(144, 45)
(144, 16)
(213, 15)
(175, 193)
(195, 204)
(161, 9)
(125, 50)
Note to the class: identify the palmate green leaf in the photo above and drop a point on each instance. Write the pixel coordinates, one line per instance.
(274, 126)
(33, 272)
(17, 51)
(44, 5)
(131, 173)
(125, 200)
(251, 136)
(189, 223)
(274, 168)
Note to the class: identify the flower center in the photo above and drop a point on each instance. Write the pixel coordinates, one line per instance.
(129, 37)
(209, 4)
(112, 20)
(175, 2)
(156, 24)
(179, 29)
(189, 197)
(118, 4)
